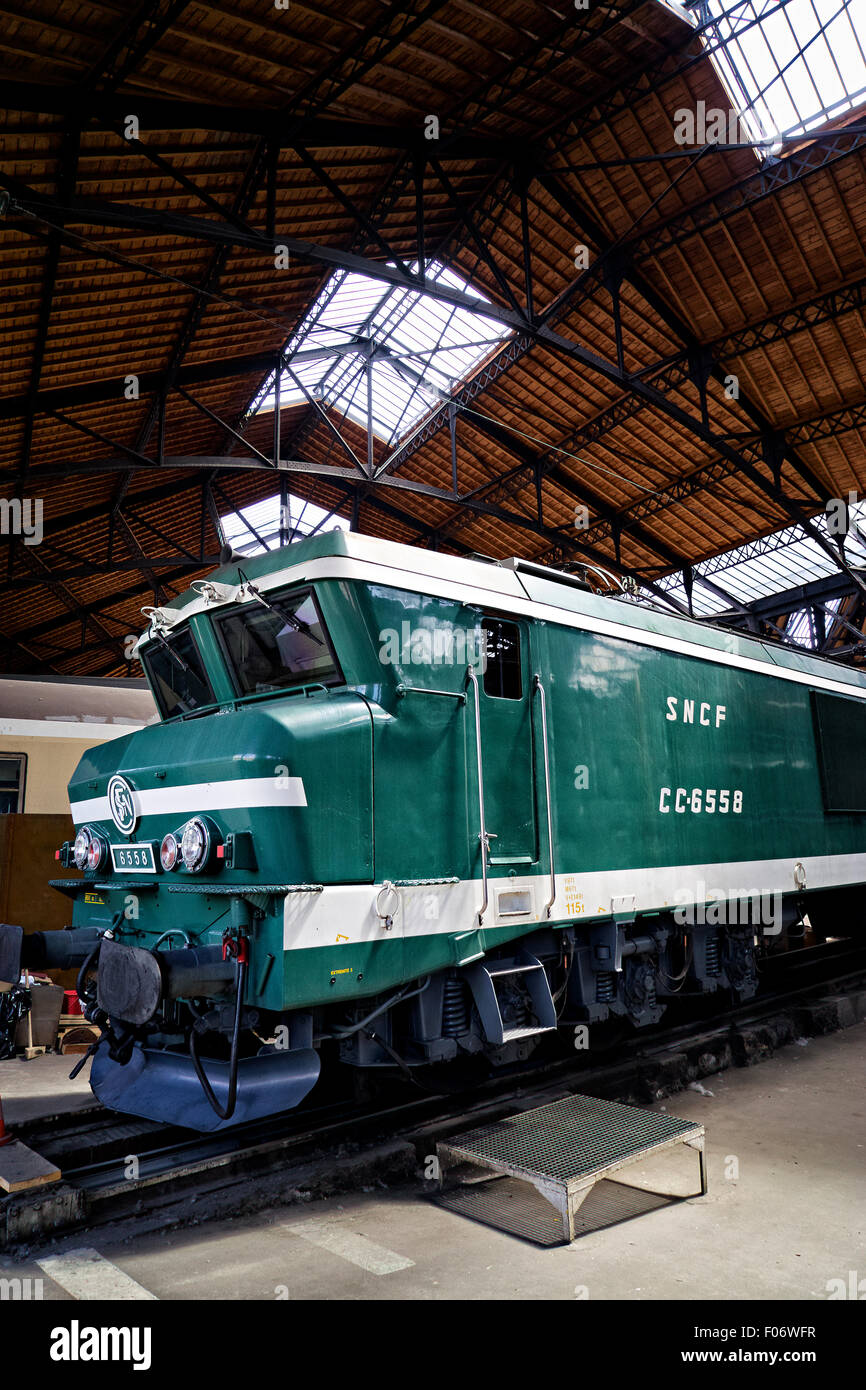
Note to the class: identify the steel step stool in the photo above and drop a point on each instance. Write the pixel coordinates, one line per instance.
(563, 1150)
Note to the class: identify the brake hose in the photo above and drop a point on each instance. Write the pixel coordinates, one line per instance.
(104, 1033)
(399, 998)
(109, 934)
(224, 1114)
(82, 974)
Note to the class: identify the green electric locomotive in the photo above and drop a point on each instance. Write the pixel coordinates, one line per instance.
(421, 808)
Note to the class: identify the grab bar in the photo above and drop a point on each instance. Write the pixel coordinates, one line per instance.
(426, 690)
(537, 686)
(484, 836)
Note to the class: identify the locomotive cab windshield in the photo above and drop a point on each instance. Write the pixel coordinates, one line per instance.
(176, 674)
(264, 644)
(277, 644)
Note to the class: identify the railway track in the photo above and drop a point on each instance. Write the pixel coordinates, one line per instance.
(142, 1175)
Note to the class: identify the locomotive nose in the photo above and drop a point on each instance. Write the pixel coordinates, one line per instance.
(133, 984)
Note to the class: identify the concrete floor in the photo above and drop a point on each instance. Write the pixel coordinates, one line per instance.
(789, 1222)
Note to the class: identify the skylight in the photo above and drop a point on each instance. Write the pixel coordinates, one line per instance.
(785, 560)
(253, 530)
(419, 350)
(789, 65)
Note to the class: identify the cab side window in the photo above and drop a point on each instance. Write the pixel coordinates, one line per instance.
(501, 647)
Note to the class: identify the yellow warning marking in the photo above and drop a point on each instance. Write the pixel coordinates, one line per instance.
(342, 938)
(94, 898)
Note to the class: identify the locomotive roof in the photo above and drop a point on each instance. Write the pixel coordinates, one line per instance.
(504, 587)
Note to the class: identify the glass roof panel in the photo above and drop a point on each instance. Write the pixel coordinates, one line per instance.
(253, 530)
(760, 569)
(789, 65)
(419, 348)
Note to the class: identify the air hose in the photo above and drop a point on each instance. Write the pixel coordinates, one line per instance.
(398, 998)
(86, 966)
(79, 989)
(227, 1112)
(105, 1033)
(91, 959)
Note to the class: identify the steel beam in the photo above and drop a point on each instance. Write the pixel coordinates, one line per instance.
(66, 597)
(373, 44)
(66, 177)
(811, 598)
(695, 351)
(149, 22)
(164, 115)
(111, 389)
(702, 215)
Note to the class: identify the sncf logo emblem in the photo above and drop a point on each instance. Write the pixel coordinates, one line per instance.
(121, 804)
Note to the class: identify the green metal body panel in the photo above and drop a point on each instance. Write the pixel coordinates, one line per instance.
(388, 769)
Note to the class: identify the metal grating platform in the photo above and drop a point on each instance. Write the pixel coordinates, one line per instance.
(563, 1151)
(516, 1207)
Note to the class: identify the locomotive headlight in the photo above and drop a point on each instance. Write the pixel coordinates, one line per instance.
(90, 850)
(81, 848)
(195, 845)
(97, 852)
(169, 852)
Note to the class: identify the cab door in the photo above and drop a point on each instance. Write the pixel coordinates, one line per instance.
(505, 696)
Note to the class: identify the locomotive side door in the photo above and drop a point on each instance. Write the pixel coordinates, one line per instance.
(505, 704)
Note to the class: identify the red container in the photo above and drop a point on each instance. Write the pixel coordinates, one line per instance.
(71, 1002)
